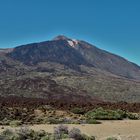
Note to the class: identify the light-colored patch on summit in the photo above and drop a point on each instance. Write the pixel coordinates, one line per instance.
(73, 43)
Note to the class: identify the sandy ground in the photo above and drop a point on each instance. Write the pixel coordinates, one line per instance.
(123, 130)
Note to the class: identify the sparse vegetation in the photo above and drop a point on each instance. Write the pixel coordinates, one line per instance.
(78, 111)
(60, 132)
(76, 134)
(15, 116)
(111, 138)
(92, 121)
(15, 123)
(107, 114)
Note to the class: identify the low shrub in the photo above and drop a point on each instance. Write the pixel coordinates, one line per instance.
(7, 132)
(85, 137)
(52, 120)
(102, 114)
(61, 129)
(61, 132)
(24, 133)
(5, 121)
(78, 111)
(92, 121)
(15, 123)
(75, 134)
(111, 138)
(45, 138)
(132, 116)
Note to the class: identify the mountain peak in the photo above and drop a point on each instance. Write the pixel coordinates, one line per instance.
(71, 42)
(61, 37)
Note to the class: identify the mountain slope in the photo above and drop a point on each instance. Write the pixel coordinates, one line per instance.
(67, 69)
(109, 62)
(73, 53)
(55, 51)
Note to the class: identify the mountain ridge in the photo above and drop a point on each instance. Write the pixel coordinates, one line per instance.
(63, 50)
(62, 68)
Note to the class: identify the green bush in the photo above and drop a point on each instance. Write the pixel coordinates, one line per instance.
(101, 114)
(45, 138)
(16, 137)
(132, 116)
(5, 121)
(78, 111)
(23, 134)
(15, 123)
(41, 133)
(53, 120)
(7, 132)
(111, 138)
(85, 137)
(92, 121)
